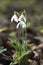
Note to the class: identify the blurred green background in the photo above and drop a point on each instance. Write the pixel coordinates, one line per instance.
(34, 9)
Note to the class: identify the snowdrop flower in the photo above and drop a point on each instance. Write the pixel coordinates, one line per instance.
(21, 21)
(22, 24)
(14, 17)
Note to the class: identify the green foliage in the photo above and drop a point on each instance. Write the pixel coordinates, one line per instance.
(3, 29)
(20, 50)
(30, 45)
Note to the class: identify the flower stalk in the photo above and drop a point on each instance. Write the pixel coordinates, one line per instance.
(21, 48)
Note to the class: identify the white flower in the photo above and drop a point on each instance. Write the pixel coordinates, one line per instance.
(20, 21)
(15, 18)
(22, 24)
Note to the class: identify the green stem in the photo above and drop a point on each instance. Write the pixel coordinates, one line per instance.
(19, 62)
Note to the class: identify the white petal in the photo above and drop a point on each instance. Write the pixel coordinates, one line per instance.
(23, 24)
(15, 18)
(18, 25)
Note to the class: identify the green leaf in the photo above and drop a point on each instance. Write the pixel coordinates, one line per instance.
(11, 44)
(30, 45)
(12, 33)
(14, 63)
(17, 43)
(2, 29)
(18, 57)
(23, 54)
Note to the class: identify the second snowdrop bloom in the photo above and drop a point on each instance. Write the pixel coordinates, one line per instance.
(21, 23)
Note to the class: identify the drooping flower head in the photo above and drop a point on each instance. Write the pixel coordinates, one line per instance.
(20, 19)
(23, 16)
(15, 17)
